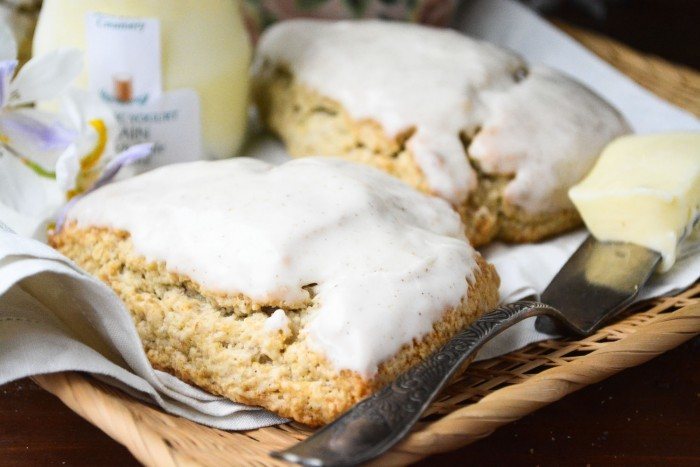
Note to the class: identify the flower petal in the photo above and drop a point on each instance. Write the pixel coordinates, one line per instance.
(45, 130)
(27, 201)
(35, 135)
(7, 71)
(87, 112)
(8, 44)
(133, 154)
(81, 107)
(46, 76)
(68, 169)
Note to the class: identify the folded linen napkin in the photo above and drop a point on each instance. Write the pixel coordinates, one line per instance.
(54, 317)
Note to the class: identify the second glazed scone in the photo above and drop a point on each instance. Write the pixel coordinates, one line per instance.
(300, 288)
(449, 115)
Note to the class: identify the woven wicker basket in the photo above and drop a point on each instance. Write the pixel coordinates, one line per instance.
(489, 394)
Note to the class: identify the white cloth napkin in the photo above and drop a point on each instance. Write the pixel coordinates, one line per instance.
(528, 269)
(54, 317)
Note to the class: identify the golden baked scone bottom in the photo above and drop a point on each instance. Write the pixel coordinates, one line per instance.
(312, 124)
(219, 343)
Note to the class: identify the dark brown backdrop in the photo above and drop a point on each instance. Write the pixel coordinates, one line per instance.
(668, 28)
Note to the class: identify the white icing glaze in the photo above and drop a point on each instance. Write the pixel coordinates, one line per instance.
(441, 83)
(277, 321)
(387, 260)
(548, 131)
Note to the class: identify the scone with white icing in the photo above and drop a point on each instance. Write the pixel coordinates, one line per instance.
(451, 116)
(300, 288)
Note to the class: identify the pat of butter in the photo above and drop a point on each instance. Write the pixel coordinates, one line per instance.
(644, 190)
(205, 48)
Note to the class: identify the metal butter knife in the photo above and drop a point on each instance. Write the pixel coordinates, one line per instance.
(597, 282)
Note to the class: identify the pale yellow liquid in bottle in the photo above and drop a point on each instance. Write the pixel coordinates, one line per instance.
(205, 47)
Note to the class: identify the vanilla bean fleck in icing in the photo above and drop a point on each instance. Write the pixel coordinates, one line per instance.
(537, 125)
(384, 261)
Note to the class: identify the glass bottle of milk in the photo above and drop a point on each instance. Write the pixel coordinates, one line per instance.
(175, 72)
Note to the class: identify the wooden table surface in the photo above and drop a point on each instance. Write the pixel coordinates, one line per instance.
(649, 415)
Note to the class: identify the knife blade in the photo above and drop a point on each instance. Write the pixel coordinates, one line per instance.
(597, 282)
(643, 190)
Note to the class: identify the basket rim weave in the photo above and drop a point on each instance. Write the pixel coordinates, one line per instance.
(489, 394)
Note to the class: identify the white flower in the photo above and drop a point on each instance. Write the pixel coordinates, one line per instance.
(27, 201)
(46, 159)
(80, 164)
(36, 137)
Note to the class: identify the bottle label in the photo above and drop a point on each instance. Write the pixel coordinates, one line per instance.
(124, 69)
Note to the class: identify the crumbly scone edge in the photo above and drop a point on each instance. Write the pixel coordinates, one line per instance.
(312, 124)
(219, 343)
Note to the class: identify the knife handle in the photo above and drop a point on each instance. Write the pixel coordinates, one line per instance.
(375, 424)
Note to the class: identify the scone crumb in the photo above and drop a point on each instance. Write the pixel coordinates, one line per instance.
(277, 321)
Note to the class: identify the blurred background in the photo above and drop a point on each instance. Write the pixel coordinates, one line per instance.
(667, 28)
